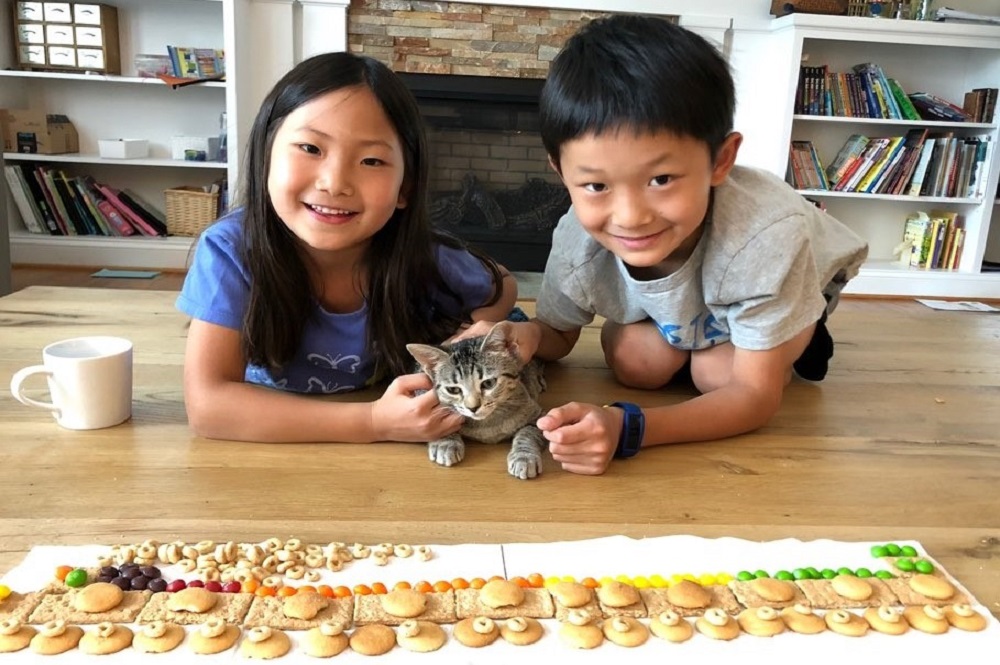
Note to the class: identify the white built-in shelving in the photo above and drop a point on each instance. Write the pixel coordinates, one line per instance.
(945, 59)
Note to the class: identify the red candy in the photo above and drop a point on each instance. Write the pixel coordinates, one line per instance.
(176, 585)
(214, 587)
(196, 583)
(232, 587)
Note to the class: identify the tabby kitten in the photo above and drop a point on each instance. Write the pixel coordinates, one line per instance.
(484, 379)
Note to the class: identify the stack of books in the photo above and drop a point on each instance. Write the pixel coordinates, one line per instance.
(932, 241)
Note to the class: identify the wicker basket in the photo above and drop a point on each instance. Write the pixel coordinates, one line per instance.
(190, 210)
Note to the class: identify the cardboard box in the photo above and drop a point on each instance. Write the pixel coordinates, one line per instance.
(43, 133)
(123, 148)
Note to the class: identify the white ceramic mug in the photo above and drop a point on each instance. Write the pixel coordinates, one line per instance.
(90, 381)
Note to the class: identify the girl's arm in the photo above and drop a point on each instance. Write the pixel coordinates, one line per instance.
(221, 405)
(499, 310)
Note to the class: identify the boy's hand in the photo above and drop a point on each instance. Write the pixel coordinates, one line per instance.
(401, 415)
(582, 437)
(527, 336)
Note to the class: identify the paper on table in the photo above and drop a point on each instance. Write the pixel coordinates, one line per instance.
(957, 305)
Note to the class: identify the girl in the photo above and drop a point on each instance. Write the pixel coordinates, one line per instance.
(326, 271)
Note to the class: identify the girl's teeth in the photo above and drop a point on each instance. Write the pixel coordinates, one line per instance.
(329, 211)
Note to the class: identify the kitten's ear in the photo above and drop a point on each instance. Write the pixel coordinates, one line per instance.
(428, 356)
(500, 339)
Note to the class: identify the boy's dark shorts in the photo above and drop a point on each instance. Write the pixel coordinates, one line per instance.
(814, 361)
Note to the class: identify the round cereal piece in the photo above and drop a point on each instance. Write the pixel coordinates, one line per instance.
(773, 590)
(571, 594)
(265, 643)
(801, 619)
(325, 640)
(851, 587)
(669, 625)
(192, 599)
(886, 620)
(932, 586)
(625, 631)
(617, 594)
(304, 606)
(406, 603)
(14, 636)
(717, 624)
(213, 636)
(927, 619)
(98, 597)
(106, 638)
(420, 636)
(501, 593)
(761, 621)
(476, 632)
(55, 637)
(587, 636)
(373, 640)
(963, 617)
(521, 631)
(846, 623)
(158, 637)
(689, 595)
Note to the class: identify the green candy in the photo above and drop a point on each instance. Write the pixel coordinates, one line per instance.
(863, 572)
(760, 573)
(813, 573)
(801, 574)
(905, 565)
(784, 575)
(879, 551)
(884, 575)
(924, 566)
(744, 576)
(893, 549)
(908, 550)
(76, 578)
(828, 573)
(845, 571)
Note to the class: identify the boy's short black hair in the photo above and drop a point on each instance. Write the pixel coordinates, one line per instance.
(638, 72)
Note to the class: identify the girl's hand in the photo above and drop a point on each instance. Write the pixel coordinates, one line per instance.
(527, 335)
(582, 437)
(402, 415)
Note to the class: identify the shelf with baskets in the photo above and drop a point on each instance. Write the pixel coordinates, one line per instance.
(105, 106)
(943, 59)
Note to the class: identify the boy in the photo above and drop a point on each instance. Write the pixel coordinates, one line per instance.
(694, 262)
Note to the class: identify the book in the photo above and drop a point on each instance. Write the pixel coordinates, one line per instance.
(120, 225)
(144, 210)
(913, 145)
(851, 150)
(30, 214)
(46, 180)
(920, 170)
(916, 240)
(95, 214)
(28, 176)
(111, 195)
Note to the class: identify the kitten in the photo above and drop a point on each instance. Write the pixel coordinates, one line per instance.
(484, 379)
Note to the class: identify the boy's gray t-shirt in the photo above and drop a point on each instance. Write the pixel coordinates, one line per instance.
(767, 265)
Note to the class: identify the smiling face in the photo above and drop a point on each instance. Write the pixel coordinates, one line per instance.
(644, 196)
(336, 172)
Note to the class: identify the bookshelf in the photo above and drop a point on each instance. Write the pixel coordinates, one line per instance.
(945, 59)
(109, 106)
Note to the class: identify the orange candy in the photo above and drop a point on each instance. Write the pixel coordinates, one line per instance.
(306, 588)
(496, 577)
(402, 585)
(62, 572)
(250, 585)
(287, 591)
(477, 582)
(536, 580)
(459, 583)
(378, 587)
(265, 591)
(325, 590)
(362, 590)
(521, 582)
(442, 586)
(342, 592)
(590, 583)
(424, 586)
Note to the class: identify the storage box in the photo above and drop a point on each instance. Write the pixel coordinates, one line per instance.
(42, 133)
(195, 148)
(190, 210)
(123, 148)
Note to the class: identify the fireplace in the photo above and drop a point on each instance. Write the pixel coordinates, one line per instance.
(490, 181)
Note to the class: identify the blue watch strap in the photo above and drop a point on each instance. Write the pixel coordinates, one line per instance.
(633, 428)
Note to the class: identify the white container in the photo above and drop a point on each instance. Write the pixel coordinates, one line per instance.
(195, 148)
(123, 148)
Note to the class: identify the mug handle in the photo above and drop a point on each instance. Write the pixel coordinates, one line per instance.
(19, 378)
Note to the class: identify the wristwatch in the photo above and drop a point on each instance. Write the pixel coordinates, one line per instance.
(633, 427)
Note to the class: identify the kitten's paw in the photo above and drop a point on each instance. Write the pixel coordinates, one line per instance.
(524, 464)
(446, 452)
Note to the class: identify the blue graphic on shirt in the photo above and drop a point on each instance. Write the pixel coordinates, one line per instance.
(703, 331)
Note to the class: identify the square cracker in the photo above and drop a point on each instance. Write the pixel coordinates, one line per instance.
(230, 607)
(61, 606)
(19, 605)
(900, 586)
(537, 605)
(820, 594)
(270, 611)
(591, 607)
(440, 608)
(747, 597)
(722, 598)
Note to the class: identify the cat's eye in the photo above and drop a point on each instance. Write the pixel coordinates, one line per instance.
(453, 390)
(488, 384)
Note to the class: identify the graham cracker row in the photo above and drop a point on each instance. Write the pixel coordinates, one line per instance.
(821, 594)
(440, 608)
(19, 605)
(63, 606)
(747, 595)
(537, 604)
(656, 601)
(270, 611)
(230, 607)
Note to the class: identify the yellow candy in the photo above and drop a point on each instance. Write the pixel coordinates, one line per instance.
(605, 580)
(4, 591)
(723, 578)
(624, 579)
(706, 579)
(568, 578)
(658, 582)
(550, 581)
(677, 578)
(641, 582)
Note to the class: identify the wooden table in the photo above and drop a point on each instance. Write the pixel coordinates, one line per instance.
(881, 450)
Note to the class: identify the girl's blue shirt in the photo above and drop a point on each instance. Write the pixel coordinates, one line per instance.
(332, 357)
